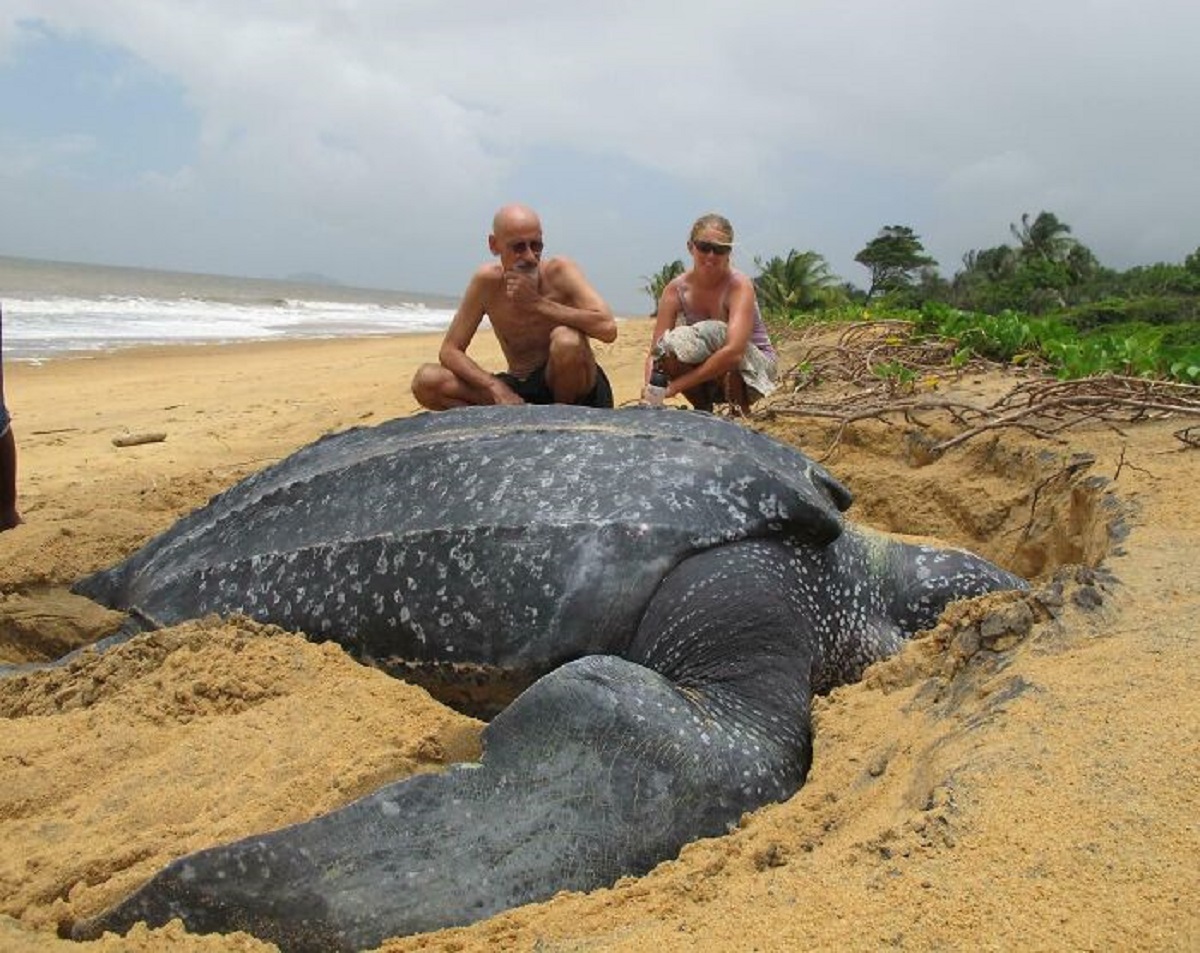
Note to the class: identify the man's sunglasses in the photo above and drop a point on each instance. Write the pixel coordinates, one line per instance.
(519, 248)
(709, 248)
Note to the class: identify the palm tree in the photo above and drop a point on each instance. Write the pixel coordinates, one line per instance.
(1045, 237)
(1081, 263)
(800, 282)
(657, 282)
(995, 264)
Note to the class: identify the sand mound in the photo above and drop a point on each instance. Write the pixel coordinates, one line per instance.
(187, 737)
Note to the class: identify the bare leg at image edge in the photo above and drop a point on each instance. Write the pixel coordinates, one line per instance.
(9, 517)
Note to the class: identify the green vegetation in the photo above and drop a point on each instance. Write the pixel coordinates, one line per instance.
(1045, 298)
(895, 373)
(800, 282)
(1133, 350)
(657, 282)
(892, 257)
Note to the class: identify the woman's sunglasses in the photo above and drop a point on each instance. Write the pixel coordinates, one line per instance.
(712, 249)
(519, 248)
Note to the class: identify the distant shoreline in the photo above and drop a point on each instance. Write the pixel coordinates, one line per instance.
(153, 348)
(55, 309)
(51, 274)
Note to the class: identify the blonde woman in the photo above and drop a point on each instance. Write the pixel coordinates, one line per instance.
(710, 338)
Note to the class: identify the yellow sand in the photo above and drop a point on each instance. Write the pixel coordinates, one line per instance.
(1025, 777)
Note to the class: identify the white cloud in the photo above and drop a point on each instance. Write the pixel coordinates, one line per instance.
(20, 158)
(374, 138)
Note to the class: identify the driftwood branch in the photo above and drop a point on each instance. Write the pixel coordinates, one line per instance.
(879, 370)
(1189, 436)
(136, 439)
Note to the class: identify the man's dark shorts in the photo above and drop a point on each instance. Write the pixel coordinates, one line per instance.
(534, 389)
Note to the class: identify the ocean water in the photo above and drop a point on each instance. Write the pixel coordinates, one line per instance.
(56, 309)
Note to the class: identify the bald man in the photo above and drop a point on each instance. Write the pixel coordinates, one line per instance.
(543, 313)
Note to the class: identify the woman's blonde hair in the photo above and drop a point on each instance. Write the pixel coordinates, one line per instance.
(718, 223)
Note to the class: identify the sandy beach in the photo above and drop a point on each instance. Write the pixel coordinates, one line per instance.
(1024, 776)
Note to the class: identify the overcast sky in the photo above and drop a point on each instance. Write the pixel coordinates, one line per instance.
(372, 141)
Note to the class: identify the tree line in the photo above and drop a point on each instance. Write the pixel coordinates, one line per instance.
(1046, 280)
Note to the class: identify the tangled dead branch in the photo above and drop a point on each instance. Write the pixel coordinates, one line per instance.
(873, 355)
(879, 372)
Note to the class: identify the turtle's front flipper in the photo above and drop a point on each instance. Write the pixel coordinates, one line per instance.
(602, 768)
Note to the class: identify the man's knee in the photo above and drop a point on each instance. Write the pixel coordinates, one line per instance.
(571, 367)
(567, 344)
(570, 356)
(427, 384)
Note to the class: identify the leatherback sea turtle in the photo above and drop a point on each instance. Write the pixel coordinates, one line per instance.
(681, 584)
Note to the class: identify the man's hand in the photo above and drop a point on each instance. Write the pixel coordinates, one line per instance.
(503, 394)
(522, 288)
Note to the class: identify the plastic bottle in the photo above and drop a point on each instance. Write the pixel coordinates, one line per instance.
(656, 388)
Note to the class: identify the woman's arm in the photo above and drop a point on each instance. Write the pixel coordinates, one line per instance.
(668, 310)
(737, 339)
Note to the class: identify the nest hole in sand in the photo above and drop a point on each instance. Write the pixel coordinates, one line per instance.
(1026, 505)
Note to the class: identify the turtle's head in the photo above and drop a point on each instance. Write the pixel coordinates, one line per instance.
(927, 579)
